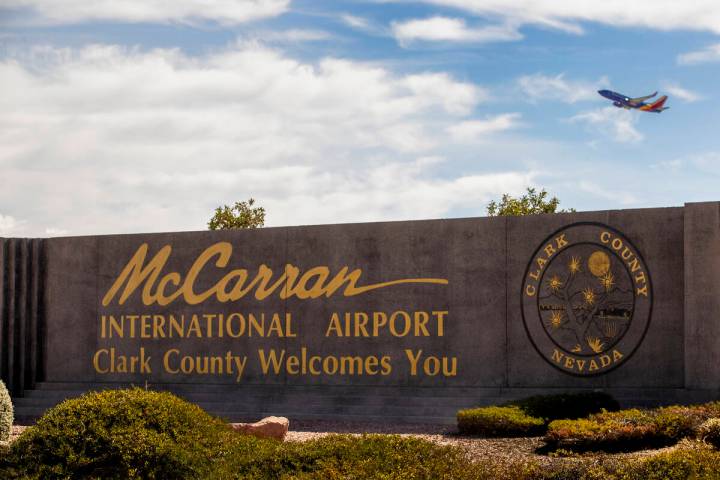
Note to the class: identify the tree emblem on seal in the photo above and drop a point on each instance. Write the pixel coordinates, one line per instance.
(587, 299)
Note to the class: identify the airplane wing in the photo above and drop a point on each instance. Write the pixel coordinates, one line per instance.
(637, 100)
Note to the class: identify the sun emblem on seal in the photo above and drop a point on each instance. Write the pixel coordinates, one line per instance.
(587, 299)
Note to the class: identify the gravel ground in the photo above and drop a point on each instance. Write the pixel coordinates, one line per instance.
(500, 450)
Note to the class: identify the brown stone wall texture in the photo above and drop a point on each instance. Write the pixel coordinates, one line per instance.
(460, 328)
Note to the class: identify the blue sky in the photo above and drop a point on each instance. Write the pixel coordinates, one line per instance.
(127, 116)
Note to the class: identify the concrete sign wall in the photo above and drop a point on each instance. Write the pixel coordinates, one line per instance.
(625, 301)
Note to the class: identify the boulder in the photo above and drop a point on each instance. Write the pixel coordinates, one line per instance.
(269, 427)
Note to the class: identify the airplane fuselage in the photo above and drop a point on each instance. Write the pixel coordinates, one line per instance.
(623, 101)
(618, 99)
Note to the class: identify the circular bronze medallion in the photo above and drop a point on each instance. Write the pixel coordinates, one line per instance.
(586, 299)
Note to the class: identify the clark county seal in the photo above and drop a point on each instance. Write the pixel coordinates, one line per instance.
(586, 299)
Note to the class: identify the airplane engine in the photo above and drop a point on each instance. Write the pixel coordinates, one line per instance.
(618, 104)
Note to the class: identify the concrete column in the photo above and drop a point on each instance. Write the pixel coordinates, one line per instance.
(20, 312)
(702, 295)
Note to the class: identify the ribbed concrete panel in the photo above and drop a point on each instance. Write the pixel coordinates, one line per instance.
(21, 264)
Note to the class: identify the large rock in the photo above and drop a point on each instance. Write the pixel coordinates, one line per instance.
(269, 427)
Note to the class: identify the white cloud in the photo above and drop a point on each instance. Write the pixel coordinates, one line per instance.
(543, 87)
(672, 165)
(106, 139)
(709, 54)
(614, 195)
(55, 232)
(708, 162)
(355, 21)
(701, 15)
(682, 93)
(294, 36)
(226, 12)
(616, 123)
(471, 130)
(450, 30)
(9, 226)
(705, 163)
(365, 24)
(440, 89)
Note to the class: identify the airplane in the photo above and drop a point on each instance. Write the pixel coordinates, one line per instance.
(621, 101)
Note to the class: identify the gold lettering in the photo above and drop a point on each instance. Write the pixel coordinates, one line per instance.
(223, 251)
(379, 320)
(178, 327)
(350, 365)
(288, 326)
(194, 327)
(361, 320)
(292, 364)
(385, 365)
(116, 326)
(413, 359)
(421, 320)
(174, 278)
(560, 241)
(96, 361)
(145, 326)
(134, 274)
(440, 319)
(334, 326)
(407, 324)
(259, 327)
(271, 360)
(241, 325)
(275, 326)
(158, 326)
(145, 275)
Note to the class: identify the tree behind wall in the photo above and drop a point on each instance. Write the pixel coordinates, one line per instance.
(240, 215)
(532, 203)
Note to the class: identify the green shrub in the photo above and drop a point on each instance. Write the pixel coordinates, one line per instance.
(141, 434)
(625, 429)
(709, 432)
(531, 415)
(629, 429)
(689, 462)
(121, 434)
(567, 405)
(498, 421)
(6, 413)
(352, 457)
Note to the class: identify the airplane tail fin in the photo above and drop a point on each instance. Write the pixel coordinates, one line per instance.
(657, 106)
